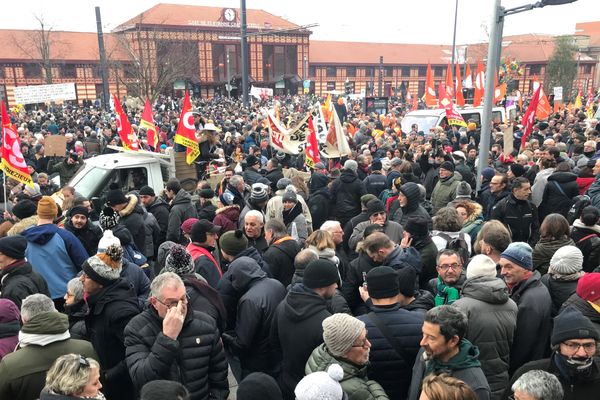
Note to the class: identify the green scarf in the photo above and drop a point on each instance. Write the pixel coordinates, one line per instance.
(467, 357)
(445, 294)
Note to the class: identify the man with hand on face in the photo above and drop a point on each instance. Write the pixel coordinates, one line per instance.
(173, 342)
(377, 215)
(80, 225)
(445, 349)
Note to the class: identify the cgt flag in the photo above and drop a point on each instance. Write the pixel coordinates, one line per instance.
(430, 99)
(529, 118)
(186, 131)
(13, 163)
(452, 115)
(147, 122)
(312, 147)
(127, 135)
(460, 99)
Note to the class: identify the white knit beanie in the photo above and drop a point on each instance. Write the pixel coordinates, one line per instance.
(481, 265)
(321, 385)
(566, 261)
(340, 331)
(106, 240)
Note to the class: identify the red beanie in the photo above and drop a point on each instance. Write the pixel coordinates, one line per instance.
(588, 287)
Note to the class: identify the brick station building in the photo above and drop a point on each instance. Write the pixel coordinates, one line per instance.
(170, 47)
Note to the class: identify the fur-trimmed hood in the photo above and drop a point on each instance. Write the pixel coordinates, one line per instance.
(476, 214)
(130, 207)
(22, 225)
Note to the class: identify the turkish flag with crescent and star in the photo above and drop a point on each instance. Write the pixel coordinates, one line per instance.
(186, 131)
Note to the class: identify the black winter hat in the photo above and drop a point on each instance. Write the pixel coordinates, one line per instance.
(24, 209)
(376, 165)
(572, 324)
(79, 210)
(115, 197)
(259, 386)
(382, 283)
(147, 191)
(252, 160)
(206, 193)
(406, 281)
(201, 228)
(517, 169)
(320, 273)
(375, 206)
(448, 166)
(416, 225)
(13, 246)
(411, 191)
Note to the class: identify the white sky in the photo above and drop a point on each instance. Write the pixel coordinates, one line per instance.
(396, 21)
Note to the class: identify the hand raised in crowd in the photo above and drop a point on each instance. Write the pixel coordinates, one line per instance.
(173, 321)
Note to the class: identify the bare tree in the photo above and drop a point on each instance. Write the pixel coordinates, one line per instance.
(38, 46)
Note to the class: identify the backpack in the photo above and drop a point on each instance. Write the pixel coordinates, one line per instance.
(579, 203)
(458, 244)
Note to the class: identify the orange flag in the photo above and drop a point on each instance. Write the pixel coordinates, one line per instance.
(499, 92)
(479, 84)
(460, 99)
(186, 131)
(430, 99)
(127, 135)
(13, 164)
(147, 122)
(543, 110)
(449, 82)
(415, 105)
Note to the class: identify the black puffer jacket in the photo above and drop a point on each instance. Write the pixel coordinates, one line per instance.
(413, 206)
(160, 209)
(19, 281)
(196, 359)
(258, 296)
(423, 302)
(132, 218)
(492, 319)
(181, 209)
(534, 315)
(274, 176)
(585, 308)
(346, 192)
(319, 200)
(560, 290)
(280, 256)
(89, 235)
(520, 217)
(111, 309)
(296, 331)
(556, 200)
(358, 268)
(587, 240)
(391, 370)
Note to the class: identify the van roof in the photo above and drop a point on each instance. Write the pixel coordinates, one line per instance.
(120, 160)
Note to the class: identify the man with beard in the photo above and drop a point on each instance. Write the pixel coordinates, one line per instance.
(80, 226)
(574, 344)
(297, 326)
(445, 349)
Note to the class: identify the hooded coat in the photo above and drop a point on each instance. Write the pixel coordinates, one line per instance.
(23, 372)
(413, 207)
(227, 218)
(181, 209)
(558, 195)
(319, 199)
(585, 308)
(160, 209)
(464, 366)
(296, 331)
(346, 192)
(355, 383)
(132, 218)
(258, 296)
(443, 193)
(492, 319)
(587, 239)
(545, 249)
(280, 256)
(19, 281)
(10, 325)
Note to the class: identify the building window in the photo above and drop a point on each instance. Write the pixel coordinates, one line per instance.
(331, 72)
(535, 69)
(438, 71)
(421, 89)
(369, 71)
(422, 71)
(2, 72)
(388, 71)
(312, 71)
(279, 61)
(32, 71)
(351, 72)
(68, 71)
(330, 86)
(405, 71)
(586, 69)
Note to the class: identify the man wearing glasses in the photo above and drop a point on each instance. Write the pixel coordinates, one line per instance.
(171, 341)
(573, 360)
(451, 278)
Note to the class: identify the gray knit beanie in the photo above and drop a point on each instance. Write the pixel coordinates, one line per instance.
(179, 261)
(566, 261)
(340, 331)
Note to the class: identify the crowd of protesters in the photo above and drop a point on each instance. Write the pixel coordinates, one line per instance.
(395, 272)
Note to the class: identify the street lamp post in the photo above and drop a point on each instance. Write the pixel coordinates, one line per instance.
(494, 49)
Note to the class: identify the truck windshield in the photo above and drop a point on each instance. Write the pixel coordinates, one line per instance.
(424, 122)
(92, 181)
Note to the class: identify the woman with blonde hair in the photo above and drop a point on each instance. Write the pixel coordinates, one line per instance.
(445, 387)
(73, 376)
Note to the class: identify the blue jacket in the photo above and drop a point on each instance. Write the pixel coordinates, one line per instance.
(390, 369)
(56, 254)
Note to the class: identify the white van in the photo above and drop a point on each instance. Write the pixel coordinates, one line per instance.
(427, 119)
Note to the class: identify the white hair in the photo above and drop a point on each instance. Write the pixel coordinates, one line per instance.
(330, 225)
(539, 385)
(36, 304)
(162, 280)
(257, 214)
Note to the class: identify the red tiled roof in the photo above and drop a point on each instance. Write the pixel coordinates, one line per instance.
(67, 46)
(189, 16)
(592, 29)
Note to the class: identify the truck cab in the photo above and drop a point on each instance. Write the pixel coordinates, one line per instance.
(427, 119)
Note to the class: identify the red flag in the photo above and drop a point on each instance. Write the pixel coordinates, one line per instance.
(13, 163)
(415, 105)
(452, 114)
(543, 108)
(479, 85)
(186, 131)
(127, 135)
(529, 117)
(460, 99)
(312, 147)
(590, 99)
(147, 122)
(430, 99)
(449, 82)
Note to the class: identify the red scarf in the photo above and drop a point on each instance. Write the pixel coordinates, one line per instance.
(198, 251)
